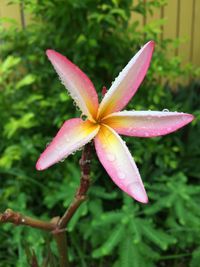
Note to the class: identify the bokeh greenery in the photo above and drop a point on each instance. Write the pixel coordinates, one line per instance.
(110, 229)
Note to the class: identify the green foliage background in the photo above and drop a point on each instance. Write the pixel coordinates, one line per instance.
(111, 229)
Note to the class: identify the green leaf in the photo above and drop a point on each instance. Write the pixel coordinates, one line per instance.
(113, 240)
(158, 237)
(27, 80)
(8, 63)
(11, 154)
(13, 125)
(195, 258)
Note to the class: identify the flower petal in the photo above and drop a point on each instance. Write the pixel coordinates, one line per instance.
(128, 81)
(74, 134)
(78, 84)
(147, 123)
(119, 164)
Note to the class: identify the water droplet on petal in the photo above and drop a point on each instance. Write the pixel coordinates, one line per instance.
(66, 138)
(104, 146)
(184, 118)
(136, 189)
(121, 175)
(165, 110)
(111, 157)
(83, 117)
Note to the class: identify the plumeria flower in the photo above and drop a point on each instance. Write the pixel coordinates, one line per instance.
(105, 121)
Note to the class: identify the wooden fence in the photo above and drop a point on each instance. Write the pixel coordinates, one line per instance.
(182, 20)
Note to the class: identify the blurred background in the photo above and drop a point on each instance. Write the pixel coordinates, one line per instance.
(110, 229)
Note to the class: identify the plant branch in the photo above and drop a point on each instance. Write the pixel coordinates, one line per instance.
(20, 219)
(80, 195)
(61, 241)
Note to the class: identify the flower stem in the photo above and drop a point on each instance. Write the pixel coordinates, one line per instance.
(20, 219)
(80, 195)
(61, 241)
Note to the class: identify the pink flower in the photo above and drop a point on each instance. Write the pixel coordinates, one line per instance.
(106, 120)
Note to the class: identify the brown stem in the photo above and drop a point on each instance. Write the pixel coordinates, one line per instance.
(61, 241)
(20, 219)
(34, 261)
(80, 196)
(82, 190)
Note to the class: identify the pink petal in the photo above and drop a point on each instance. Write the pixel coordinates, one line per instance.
(128, 81)
(147, 123)
(78, 84)
(74, 134)
(119, 164)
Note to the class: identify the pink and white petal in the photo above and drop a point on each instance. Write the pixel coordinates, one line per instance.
(128, 81)
(147, 123)
(74, 134)
(119, 164)
(77, 83)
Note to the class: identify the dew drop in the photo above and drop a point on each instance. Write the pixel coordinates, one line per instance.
(111, 157)
(104, 146)
(83, 117)
(136, 189)
(58, 148)
(184, 118)
(66, 138)
(77, 108)
(121, 175)
(165, 110)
